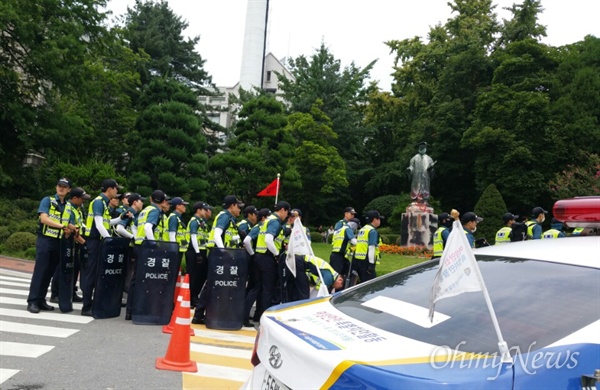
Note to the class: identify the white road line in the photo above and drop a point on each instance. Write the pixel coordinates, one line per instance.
(221, 372)
(22, 302)
(38, 330)
(14, 279)
(222, 351)
(5, 374)
(224, 336)
(47, 315)
(13, 291)
(14, 284)
(8, 348)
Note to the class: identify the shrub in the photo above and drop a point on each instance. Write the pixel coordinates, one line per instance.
(316, 237)
(20, 241)
(418, 251)
(389, 238)
(490, 207)
(30, 253)
(4, 233)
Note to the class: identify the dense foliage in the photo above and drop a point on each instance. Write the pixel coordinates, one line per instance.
(498, 108)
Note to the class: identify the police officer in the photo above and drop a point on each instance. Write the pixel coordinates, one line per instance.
(252, 289)
(349, 213)
(249, 220)
(47, 256)
(127, 228)
(534, 225)
(342, 236)
(74, 216)
(555, 231)
(150, 225)
(98, 225)
(469, 222)
(367, 247)
(441, 234)
(504, 235)
(224, 234)
(298, 287)
(197, 264)
(267, 253)
(177, 230)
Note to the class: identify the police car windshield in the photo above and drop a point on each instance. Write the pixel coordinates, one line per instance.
(537, 303)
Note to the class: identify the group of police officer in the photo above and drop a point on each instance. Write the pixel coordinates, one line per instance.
(262, 233)
(529, 229)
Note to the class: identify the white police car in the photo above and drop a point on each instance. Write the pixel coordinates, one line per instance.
(377, 335)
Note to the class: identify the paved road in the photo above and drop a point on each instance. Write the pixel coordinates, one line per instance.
(52, 350)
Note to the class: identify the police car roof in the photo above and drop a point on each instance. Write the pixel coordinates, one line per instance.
(583, 251)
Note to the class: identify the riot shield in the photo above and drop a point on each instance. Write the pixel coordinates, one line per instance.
(226, 284)
(65, 275)
(111, 277)
(156, 275)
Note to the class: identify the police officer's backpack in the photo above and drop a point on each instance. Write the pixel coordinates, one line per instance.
(519, 232)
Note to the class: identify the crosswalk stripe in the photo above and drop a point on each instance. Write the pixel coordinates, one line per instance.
(8, 348)
(14, 279)
(14, 284)
(38, 330)
(230, 352)
(221, 360)
(21, 302)
(6, 373)
(221, 343)
(13, 291)
(191, 382)
(221, 372)
(52, 316)
(220, 335)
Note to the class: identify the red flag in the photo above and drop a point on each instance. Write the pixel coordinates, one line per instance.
(270, 190)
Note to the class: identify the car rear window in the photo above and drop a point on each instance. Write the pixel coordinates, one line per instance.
(537, 303)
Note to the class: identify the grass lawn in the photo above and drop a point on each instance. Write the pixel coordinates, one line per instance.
(389, 262)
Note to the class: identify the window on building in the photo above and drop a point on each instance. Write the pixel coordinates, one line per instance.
(268, 75)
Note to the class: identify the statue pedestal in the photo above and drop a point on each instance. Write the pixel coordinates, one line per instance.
(418, 225)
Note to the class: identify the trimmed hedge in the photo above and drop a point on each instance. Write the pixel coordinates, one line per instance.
(20, 241)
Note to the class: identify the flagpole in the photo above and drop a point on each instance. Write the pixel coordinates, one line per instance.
(502, 346)
(277, 189)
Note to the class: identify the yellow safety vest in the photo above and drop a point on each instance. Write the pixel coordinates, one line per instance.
(362, 243)
(141, 221)
(229, 233)
(530, 225)
(180, 235)
(503, 235)
(551, 233)
(89, 222)
(201, 233)
(338, 239)
(261, 243)
(321, 265)
(438, 242)
(55, 214)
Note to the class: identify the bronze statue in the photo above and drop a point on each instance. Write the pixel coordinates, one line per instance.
(421, 172)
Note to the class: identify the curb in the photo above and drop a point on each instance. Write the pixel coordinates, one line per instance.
(14, 264)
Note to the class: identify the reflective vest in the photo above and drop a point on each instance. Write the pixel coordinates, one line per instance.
(229, 233)
(181, 235)
(577, 231)
(56, 215)
(141, 221)
(244, 225)
(503, 235)
(339, 241)
(362, 243)
(201, 233)
(551, 233)
(89, 222)
(322, 265)
(261, 243)
(530, 225)
(438, 241)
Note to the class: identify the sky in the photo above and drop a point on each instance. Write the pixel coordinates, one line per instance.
(352, 30)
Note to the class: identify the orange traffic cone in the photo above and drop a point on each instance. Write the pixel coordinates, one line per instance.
(169, 328)
(177, 287)
(178, 352)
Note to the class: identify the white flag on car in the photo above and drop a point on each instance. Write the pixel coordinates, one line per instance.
(458, 271)
(298, 245)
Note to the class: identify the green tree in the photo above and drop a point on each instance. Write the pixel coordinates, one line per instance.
(490, 207)
(260, 148)
(321, 168)
(168, 150)
(578, 180)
